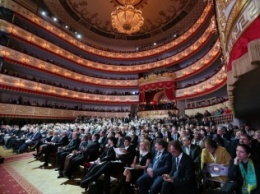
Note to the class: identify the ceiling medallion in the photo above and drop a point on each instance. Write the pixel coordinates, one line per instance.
(126, 19)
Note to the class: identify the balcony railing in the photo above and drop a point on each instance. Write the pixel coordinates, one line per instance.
(22, 111)
(222, 119)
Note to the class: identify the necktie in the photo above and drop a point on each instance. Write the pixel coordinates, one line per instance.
(177, 163)
(175, 173)
(157, 158)
(188, 150)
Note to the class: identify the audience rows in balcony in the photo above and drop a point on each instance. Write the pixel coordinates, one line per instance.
(58, 84)
(202, 80)
(35, 32)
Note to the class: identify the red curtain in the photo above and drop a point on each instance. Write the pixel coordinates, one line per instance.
(141, 96)
(167, 86)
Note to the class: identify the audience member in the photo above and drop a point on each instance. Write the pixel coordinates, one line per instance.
(53, 146)
(90, 153)
(214, 153)
(161, 164)
(181, 179)
(243, 173)
(140, 164)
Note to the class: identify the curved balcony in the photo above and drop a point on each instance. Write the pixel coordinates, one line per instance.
(156, 114)
(31, 62)
(21, 111)
(201, 64)
(211, 108)
(213, 83)
(116, 55)
(27, 86)
(41, 43)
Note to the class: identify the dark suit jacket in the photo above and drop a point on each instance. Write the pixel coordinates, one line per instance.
(62, 141)
(73, 145)
(195, 152)
(164, 164)
(102, 141)
(92, 150)
(128, 158)
(108, 155)
(234, 174)
(186, 172)
(55, 139)
(36, 137)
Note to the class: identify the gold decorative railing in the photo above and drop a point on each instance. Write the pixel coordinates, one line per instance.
(37, 41)
(209, 85)
(23, 59)
(23, 85)
(21, 111)
(153, 78)
(210, 108)
(199, 65)
(222, 119)
(151, 114)
(59, 33)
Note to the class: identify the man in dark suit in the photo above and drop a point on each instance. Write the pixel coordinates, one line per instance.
(194, 151)
(110, 167)
(175, 135)
(102, 138)
(31, 141)
(181, 179)
(90, 153)
(66, 150)
(161, 164)
(53, 146)
(108, 155)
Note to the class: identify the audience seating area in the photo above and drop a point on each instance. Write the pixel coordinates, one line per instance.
(196, 128)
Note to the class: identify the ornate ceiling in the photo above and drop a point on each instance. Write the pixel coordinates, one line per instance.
(162, 20)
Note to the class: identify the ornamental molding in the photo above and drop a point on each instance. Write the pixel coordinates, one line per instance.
(119, 55)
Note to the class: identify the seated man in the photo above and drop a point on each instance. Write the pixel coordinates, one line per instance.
(194, 151)
(66, 150)
(109, 167)
(160, 164)
(89, 153)
(33, 139)
(53, 146)
(181, 179)
(75, 153)
(52, 136)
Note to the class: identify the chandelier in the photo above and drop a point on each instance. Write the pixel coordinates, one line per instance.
(126, 19)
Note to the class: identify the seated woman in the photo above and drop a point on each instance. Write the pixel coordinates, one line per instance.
(243, 173)
(52, 137)
(139, 165)
(213, 153)
(41, 145)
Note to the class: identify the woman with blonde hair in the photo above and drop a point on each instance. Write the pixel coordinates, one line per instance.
(139, 165)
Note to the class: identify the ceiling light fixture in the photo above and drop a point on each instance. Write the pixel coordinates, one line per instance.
(127, 19)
